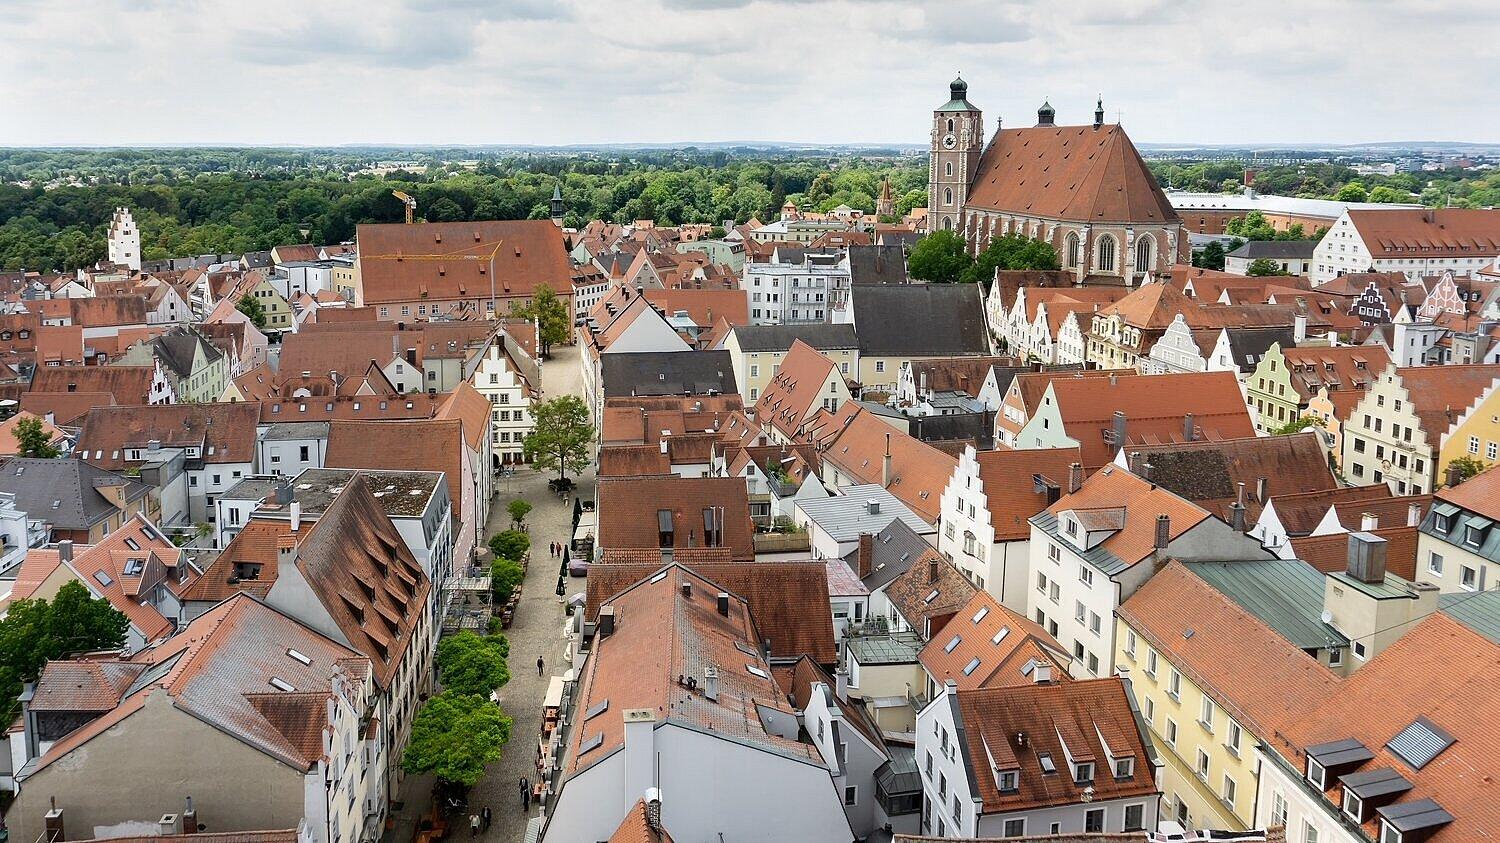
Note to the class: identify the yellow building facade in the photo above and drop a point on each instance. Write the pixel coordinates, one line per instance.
(1475, 434)
(1208, 775)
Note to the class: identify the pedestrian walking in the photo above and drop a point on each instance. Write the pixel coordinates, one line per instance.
(473, 825)
(525, 794)
(540, 665)
(484, 818)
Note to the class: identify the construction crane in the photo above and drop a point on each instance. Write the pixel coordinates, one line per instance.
(459, 255)
(409, 201)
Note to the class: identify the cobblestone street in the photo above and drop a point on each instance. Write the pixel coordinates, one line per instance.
(536, 631)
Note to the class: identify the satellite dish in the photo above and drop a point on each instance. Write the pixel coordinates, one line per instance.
(1327, 616)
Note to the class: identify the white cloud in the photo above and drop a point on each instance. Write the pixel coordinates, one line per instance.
(590, 71)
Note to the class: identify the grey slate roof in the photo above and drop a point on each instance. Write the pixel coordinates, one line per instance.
(819, 335)
(667, 373)
(70, 484)
(900, 774)
(1249, 345)
(1479, 611)
(845, 517)
(1460, 520)
(896, 549)
(885, 264)
(920, 320)
(178, 348)
(1276, 250)
(1097, 556)
(1285, 594)
(251, 489)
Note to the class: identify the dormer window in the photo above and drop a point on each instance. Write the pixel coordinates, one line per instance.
(1010, 781)
(1473, 536)
(1316, 774)
(1442, 523)
(1124, 768)
(1083, 773)
(1353, 806)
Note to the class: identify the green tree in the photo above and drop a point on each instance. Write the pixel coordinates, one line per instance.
(251, 307)
(1352, 192)
(1464, 467)
(1387, 195)
(34, 632)
(939, 257)
(1298, 425)
(473, 664)
(1262, 267)
(1212, 256)
(32, 440)
(455, 736)
(562, 435)
(510, 544)
(518, 509)
(550, 314)
(1010, 251)
(505, 578)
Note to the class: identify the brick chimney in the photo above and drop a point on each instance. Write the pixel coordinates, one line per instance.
(1075, 477)
(885, 465)
(932, 570)
(865, 557)
(1163, 532)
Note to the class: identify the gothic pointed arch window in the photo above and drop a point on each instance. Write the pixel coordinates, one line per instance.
(947, 168)
(1105, 262)
(1145, 253)
(947, 196)
(950, 124)
(1075, 249)
(947, 223)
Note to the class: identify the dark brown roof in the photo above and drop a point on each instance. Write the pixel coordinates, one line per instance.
(126, 384)
(223, 433)
(633, 461)
(430, 445)
(630, 509)
(930, 590)
(358, 564)
(1208, 472)
(525, 254)
(1083, 713)
(789, 600)
(1072, 173)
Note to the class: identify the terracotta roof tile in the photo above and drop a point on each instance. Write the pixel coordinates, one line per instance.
(1046, 715)
(633, 461)
(789, 600)
(1156, 409)
(919, 472)
(1010, 491)
(1074, 173)
(929, 593)
(524, 255)
(1208, 472)
(1438, 394)
(432, 445)
(1480, 494)
(1138, 503)
(1330, 553)
(1005, 645)
(630, 509)
(637, 827)
(126, 384)
(1353, 368)
(795, 390)
(223, 433)
(1226, 645)
(1428, 232)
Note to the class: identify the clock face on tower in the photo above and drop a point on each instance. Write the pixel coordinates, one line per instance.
(949, 141)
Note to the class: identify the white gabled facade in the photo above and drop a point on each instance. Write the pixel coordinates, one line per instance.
(124, 240)
(511, 399)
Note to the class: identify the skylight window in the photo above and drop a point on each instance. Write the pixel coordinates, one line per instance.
(298, 656)
(972, 666)
(595, 710)
(104, 579)
(591, 743)
(281, 684)
(757, 671)
(951, 645)
(979, 615)
(931, 597)
(133, 567)
(1420, 742)
(1000, 636)
(131, 543)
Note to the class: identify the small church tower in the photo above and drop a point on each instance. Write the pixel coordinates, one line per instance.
(557, 205)
(885, 206)
(124, 240)
(957, 143)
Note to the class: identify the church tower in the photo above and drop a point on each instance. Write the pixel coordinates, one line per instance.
(957, 143)
(885, 206)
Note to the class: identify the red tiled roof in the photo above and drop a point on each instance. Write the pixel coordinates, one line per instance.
(661, 634)
(1330, 553)
(1137, 503)
(126, 384)
(1078, 712)
(224, 433)
(432, 445)
(795, 390)
(630, 508)
(929, 592)
(789, 600)
(1155, 407)
(1479, 494)
(704, 307)
(1439, 394)
(1010, 492)
(1353, 368)
(1228, 646)
(919, 472)
(638, 827)
(1072, 173)
(633, 461)
(1428, 232)
(1002, 645)
(1440, 670)
(524, 254)
(1209, 472)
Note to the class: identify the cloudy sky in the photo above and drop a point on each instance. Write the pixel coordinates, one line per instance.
(119, 72)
